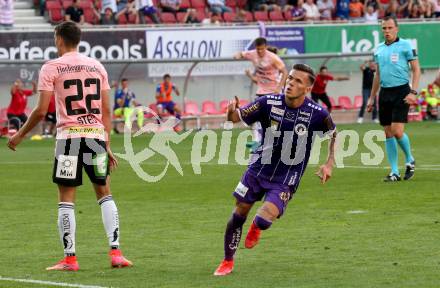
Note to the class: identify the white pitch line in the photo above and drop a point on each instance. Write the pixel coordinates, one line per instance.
(50, 283)
(356, 212)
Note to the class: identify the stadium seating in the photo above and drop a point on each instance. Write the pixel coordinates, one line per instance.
(358, 101)
(90, 17)
(185, 4)
(180, 17)
(223, 106)
(345, 102)
(208, 107)
(198, 4)
(261, 16)
(276, 16)
(249, 17)
(229, 16)
(66, 3)
(288, 15)
(334, 105)
(231, 3)
(54, 10)
(167, 18)
(191, 109)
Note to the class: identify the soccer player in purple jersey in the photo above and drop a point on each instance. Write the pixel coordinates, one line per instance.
(290, 121)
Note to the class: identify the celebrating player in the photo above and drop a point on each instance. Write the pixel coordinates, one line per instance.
(268, 70)
(395, 96)
(289, 123)
(81, 89)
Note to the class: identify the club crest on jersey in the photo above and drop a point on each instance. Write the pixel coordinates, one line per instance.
(277, 111)
(274, 125)
(290, 116)
(300, 129)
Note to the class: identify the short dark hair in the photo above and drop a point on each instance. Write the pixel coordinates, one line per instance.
(307, 69)
(260, 41)
(391, 17)
(124, 79)
(70, 33)
(322, 68)
(272, 49)
(166, 76)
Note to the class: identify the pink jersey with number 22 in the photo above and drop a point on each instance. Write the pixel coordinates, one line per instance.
(77, 82)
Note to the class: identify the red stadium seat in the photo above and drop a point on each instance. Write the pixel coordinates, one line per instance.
(334, 105)
(54, 11)
(167, 18)
(223, 106)
(85, 4)
(53, 4)
(180, 16)
(185, 4)
(89, 16)
(261, 16)
(345, 102)
(231, 3)
(358, 101)
(229, 16)
(198, 4)
(66, 3)
(191, 108)
(208, 107)
(276, 16)
(242, 4)
(201, 14)
(249, 17)
(288, 15)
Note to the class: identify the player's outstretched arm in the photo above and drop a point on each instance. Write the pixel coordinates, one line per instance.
(325, 171)
(36, 116)
(232, 113)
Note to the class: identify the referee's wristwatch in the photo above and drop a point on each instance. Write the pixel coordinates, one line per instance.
(414, 92)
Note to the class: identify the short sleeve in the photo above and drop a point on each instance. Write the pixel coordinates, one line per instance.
(326, 124)
(104, 81)
(376, 58)
(410, 53)
(46, 78)
(253, 112)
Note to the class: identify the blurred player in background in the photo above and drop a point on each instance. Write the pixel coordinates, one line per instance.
(164, 97)
(125, 103)
(396, 95)
(16, 110)
(320, 86)
(368, 69)
(81, 89)
(270, 76)
(289, 124)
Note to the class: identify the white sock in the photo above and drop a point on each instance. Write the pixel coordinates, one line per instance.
(110, 219)
(67, 227)
(256, 133)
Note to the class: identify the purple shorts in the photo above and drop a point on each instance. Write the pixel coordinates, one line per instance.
(252, 189)
(167, 106)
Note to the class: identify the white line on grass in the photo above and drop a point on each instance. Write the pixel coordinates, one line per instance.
(50, 283)
(356, 212)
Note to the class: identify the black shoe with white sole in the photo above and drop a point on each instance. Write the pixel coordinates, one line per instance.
(392, 178)
(410, 168)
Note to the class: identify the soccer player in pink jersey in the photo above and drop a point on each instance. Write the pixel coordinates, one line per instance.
(270, 74)
(81, 89)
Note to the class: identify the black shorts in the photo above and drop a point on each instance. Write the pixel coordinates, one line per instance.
(51, 117)
(71, 155)
(392, 107)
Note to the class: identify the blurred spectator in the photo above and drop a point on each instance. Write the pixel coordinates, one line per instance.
(127, 10)
(342, 9)
(436, 6)
(326, 8)
(191, 17)
(371, 15)
(384, 4)
(17, 107)
(6, 14)
(108, 18)
(146, 8)
(374, 3)
(298, 12)
(427, 8)
(269, 5)
(403, 8)
(108, 11)
(240, 17)
(368, 69)
(214, 19)
(415, 11)
(121, 4)
(312, 12)
(218, 6)
(75, 13)
(288, 5)
(356, 10)
(393, 9)
(42, 5)
(172, 6)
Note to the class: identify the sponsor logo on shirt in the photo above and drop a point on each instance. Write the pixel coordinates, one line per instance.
(394, 57)
(277, 111)
(304, 116)
(274, 125)
(274, 102)
(249, 110)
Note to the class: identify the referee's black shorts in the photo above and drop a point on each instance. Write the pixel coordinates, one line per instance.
(392, 107)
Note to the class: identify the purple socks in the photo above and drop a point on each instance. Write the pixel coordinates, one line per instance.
(233, 235)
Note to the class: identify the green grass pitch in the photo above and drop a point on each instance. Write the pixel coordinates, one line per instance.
(173, 230)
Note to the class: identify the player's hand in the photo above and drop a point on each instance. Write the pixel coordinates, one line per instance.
(113, 162)
(324, 173)
(14, 141)
(248, 72)
(410, 99)
(370, 105)
(233, 104)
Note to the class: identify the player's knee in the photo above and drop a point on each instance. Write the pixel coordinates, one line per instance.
(242, 209)
(262, 223)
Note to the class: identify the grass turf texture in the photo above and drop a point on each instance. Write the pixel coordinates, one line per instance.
(173, 230)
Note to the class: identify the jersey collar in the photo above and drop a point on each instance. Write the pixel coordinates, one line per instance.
(397, 40)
